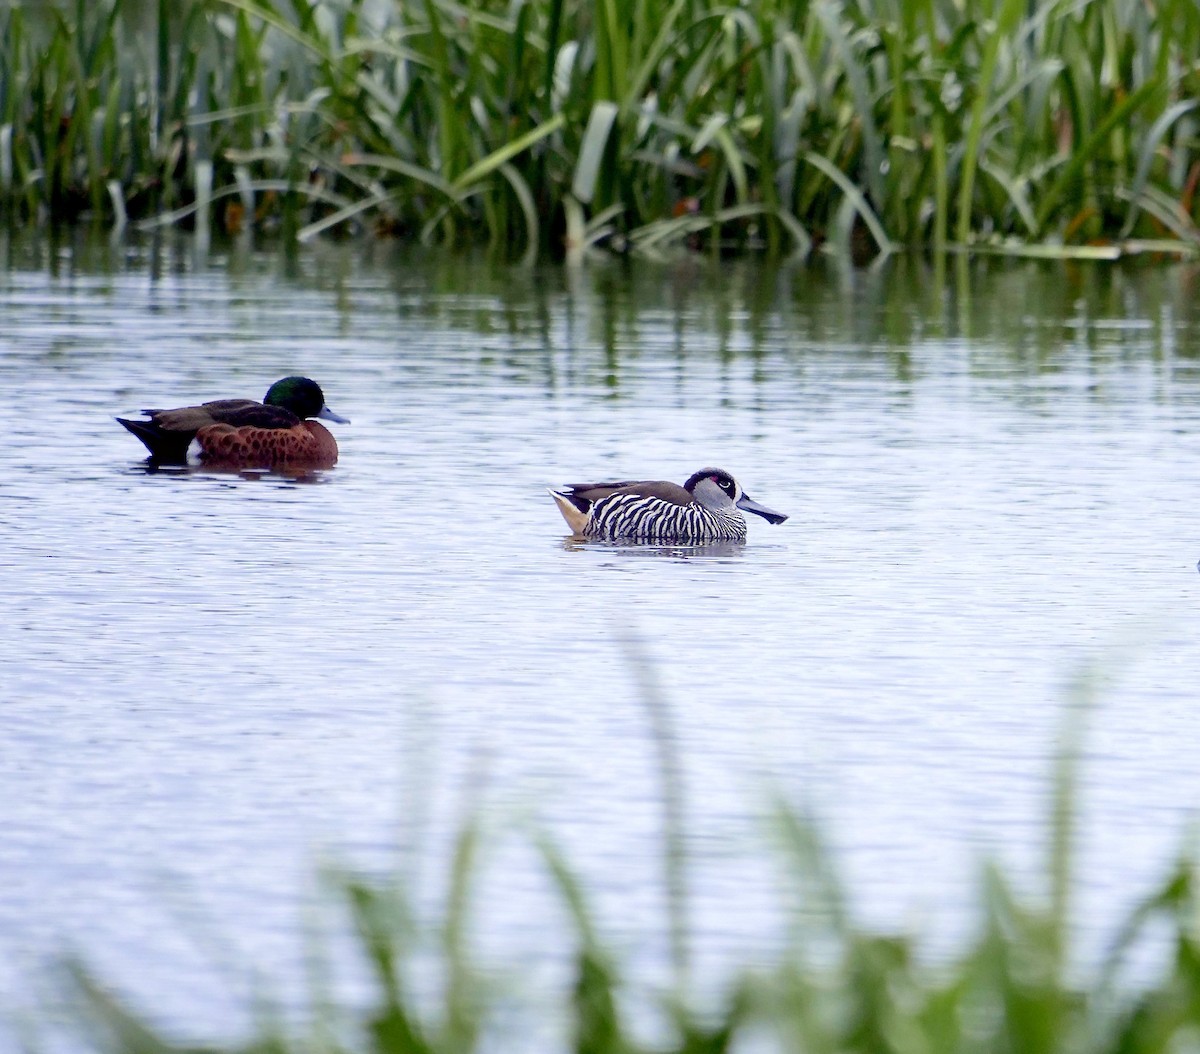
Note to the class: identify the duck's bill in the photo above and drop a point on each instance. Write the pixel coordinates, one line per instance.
(328, 415)
(747, 504)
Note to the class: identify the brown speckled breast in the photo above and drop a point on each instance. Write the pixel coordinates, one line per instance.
(309, 443)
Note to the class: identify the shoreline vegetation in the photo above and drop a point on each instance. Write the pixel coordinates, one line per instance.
(546, 128)
(837, 986)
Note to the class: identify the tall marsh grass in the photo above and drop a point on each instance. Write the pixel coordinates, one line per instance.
(836, 986)
(549, 126)
(544, 123)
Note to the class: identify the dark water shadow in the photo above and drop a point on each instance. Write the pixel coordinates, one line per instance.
(629, 548)
(279, 474)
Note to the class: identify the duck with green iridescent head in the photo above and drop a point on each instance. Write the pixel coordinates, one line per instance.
(241, 433)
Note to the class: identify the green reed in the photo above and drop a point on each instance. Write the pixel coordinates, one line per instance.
(836, 986)
(550, 126)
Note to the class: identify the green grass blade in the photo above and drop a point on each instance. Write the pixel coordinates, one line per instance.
(497, 158)
(591, 152)
(1147, 154)
(856, 198)
(1015, 189)
(1086, 153)
(663, 42)
(1009, 14)
(1168, 212)
(671, 791)
(405, 168)
(524, 196)
(836, 30)
(342, 215)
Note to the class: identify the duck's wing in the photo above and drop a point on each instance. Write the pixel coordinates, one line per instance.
(254, 415)
(193, 418)
(236, 412)
(221, 406)
(583, 495)
(647, 488)
(660, 489)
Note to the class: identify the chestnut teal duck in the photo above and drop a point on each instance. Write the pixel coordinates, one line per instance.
(240, 433)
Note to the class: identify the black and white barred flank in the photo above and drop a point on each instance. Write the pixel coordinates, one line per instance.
(650, 519)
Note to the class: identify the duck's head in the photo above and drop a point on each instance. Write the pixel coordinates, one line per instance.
(716, 489)
(303, 397)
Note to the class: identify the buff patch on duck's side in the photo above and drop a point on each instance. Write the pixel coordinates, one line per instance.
(307, 443)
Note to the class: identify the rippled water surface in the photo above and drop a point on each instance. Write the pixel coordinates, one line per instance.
(211, 682)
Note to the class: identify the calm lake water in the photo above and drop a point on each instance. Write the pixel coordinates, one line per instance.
(212, 683)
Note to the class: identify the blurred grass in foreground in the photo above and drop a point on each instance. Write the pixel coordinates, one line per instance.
(550, 126)
(838, 987)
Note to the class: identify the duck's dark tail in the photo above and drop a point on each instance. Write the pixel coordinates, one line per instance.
(165, 447)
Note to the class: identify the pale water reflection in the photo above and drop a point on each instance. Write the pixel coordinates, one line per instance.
(210, 680)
